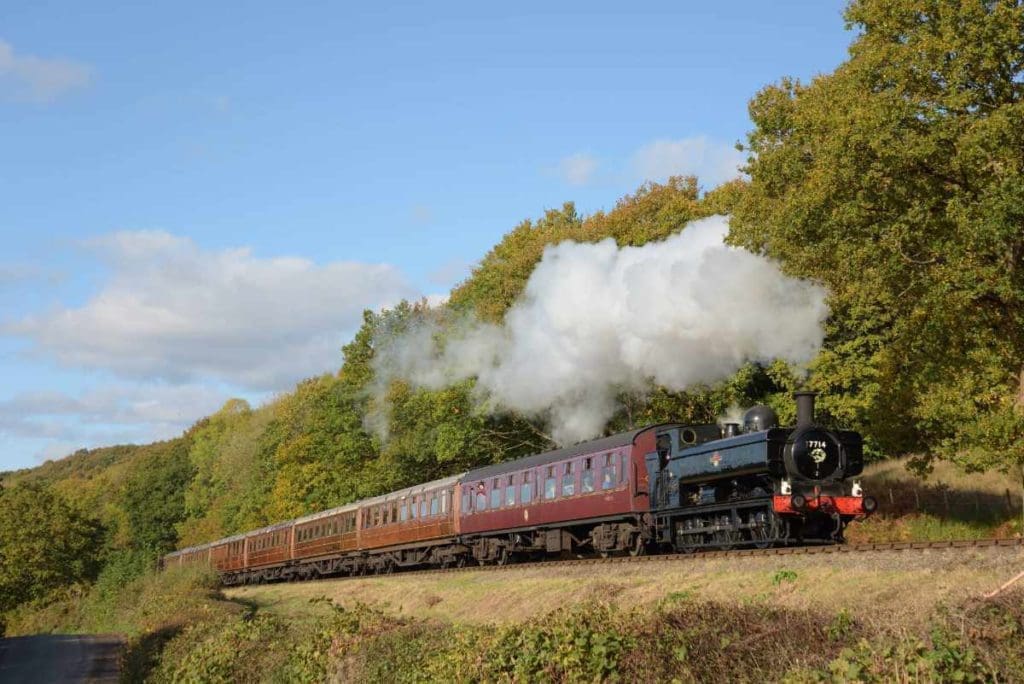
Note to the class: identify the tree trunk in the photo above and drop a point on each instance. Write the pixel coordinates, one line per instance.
(1020, 460)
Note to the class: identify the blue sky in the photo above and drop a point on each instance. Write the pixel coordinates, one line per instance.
(197, 201)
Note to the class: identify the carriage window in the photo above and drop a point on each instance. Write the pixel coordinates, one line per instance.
(444, 501)
(510, 492)
(587, 478)
(495, 493)
(481, 497)
(609, 477)
(466, 498)
(550, 487)
(434, 504)
(423, 506)
(403, 512)
(568, 480)
(526, 489)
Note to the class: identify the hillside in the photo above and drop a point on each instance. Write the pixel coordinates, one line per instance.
(892, 186)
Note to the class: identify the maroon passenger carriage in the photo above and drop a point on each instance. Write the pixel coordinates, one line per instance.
(592, 496)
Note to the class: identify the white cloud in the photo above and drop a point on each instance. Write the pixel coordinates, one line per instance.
(121, 413)
(450, 272)
(15, 274)
(175, 312)
(712, 162)
(36, 79)
(577, 169)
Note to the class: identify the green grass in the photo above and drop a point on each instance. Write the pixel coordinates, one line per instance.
(945, 504)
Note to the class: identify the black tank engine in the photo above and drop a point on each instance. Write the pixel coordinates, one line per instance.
(756, 484)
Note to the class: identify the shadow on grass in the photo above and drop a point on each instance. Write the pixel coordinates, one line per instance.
(142, 654)
(902, 498)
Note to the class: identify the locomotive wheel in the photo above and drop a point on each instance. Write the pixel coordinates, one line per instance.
(726, 539)
(766, 533)
(690, 547)
(504, 557)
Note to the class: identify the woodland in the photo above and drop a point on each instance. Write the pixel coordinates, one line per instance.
(896, 181)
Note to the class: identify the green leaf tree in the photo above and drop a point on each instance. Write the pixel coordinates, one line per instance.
(898, 181)
(45, 544)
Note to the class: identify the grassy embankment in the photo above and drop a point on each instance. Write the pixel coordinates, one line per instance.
(948, 504)
(879, 617)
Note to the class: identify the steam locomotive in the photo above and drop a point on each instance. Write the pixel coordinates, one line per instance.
(667, 487)
(756, 484)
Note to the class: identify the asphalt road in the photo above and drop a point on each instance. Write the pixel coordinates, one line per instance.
(59, 658)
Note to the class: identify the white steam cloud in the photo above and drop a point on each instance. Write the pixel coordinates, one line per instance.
(597, 319)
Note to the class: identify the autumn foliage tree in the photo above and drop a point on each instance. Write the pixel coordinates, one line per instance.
(898, 180)
(45, 544)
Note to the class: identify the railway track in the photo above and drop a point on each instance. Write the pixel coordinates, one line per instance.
(836, 549)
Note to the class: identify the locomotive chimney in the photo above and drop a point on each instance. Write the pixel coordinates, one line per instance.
(730, 429)
(804, 408)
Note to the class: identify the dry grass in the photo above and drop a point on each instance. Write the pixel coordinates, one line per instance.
(943, 471)
(878, 588)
